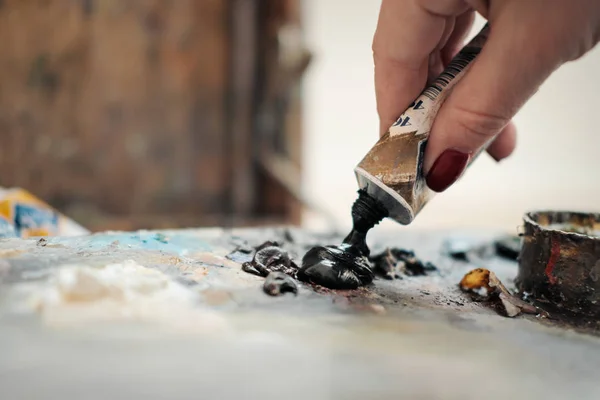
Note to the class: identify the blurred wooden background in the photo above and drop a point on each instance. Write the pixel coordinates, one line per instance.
(129, 114)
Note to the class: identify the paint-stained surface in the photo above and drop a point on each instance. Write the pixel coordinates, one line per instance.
(415, 337)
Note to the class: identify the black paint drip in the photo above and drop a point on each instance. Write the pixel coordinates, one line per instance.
(346, 266)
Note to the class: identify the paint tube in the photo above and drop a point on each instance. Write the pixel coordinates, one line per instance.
(392, 171)
(24, 215)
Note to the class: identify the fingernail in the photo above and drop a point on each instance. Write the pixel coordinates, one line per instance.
(446, 169)
(499, 159)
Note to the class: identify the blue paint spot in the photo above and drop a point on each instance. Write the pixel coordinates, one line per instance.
(179, 244)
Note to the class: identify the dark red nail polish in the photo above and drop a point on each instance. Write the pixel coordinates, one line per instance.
(446, 169)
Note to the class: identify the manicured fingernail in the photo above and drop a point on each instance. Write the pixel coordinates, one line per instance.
(446, 169)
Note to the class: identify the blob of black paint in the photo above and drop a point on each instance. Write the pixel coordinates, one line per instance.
(336, 267)
(508, 247)
(270, 257)
(346, 266)
(394, 262)
(278, 283)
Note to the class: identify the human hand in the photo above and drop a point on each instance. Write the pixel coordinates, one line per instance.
(529, 39)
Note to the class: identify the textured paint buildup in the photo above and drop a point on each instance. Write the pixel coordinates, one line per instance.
(395, 263)
(127, 291)
(270, 257)
(270, 260)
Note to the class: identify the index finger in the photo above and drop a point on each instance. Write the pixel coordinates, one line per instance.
(407, 33)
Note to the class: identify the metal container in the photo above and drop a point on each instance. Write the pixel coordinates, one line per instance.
(560, 260)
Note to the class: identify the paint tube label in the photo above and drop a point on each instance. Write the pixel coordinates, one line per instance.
(392, 170)
(418, 118)
(7, 230)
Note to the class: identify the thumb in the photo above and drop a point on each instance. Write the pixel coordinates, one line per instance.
(504, 75)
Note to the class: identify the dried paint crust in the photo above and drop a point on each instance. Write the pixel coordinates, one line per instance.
(270, 260)
(484, 285)
(270, 257)
(393, 263)
(278, 283)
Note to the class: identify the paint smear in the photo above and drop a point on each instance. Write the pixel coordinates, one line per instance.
(179, 244)
(79, 295)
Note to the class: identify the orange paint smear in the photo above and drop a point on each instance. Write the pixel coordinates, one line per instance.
(554, 254)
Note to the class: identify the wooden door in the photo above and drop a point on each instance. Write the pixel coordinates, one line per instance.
(156, 113)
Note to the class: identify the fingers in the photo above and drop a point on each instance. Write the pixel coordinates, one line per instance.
(504, 75)
(395, 88)
(462, 27)
(504, 144)
(406, 35)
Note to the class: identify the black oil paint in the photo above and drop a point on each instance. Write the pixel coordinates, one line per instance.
(346, 266)
(274, 263)
(394, 263)
(270, 257)
(278, 283)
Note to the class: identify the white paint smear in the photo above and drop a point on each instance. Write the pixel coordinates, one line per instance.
(127, 291)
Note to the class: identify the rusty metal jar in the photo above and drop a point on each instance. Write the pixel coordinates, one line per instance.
(560, 260)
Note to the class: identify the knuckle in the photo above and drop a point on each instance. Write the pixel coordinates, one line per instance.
(376, 47)
(444, 8)
(478, 124)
